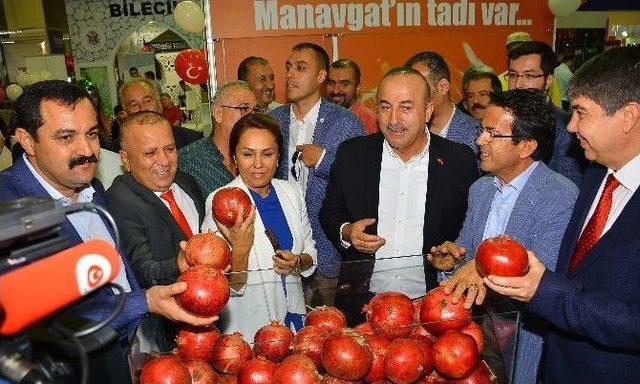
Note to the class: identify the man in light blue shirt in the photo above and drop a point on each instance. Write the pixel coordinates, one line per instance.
(521, 198)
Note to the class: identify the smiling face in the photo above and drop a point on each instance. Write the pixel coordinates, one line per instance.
(478, 96)
(68, 135)
(304, 75)
(140, 96)
(341, 87)
(261, 81)
(256, 156)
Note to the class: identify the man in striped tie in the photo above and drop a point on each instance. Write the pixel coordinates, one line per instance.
(593, 298)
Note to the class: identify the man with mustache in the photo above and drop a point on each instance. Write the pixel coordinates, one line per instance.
(155, 206)
(343, 87)
(478, 84)
(312, 129)
(395, 193)
(257, 72)
(58, 128)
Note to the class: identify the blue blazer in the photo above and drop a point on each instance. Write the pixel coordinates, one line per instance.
(595, 309)
(567, 158)
(463, 129)
(18, 181)
(538, 221)
(334, 125)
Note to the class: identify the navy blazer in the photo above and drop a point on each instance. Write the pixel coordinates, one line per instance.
(18, 181)
(334, 125)
(596, 308)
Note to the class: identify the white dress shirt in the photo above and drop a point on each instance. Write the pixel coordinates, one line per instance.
(89, 225)
(445, 130)
(186, 205)
(401, 208)
(301, 132)
(629, 178)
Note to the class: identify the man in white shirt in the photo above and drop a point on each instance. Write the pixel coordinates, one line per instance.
(394, 194)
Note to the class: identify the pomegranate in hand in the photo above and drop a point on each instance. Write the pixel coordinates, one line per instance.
(501, 256)
(226, 205)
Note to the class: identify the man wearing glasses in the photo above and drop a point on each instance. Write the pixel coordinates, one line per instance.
(521, 198)
(208, 159)
(531, 65)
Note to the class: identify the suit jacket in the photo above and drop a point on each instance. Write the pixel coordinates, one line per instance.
(595, 309)
(538, 221)
(18, 181)
(463, 129)
(150, 234)
(567, 158)
(353, 194)
(335, 124)
(185, 136)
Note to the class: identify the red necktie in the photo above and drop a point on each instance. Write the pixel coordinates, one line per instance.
(595, 226)
(176, 212)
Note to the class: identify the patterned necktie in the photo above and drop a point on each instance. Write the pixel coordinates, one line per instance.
(595, 226)
(176, 212)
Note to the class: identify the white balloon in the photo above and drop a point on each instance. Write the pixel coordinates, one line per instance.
(189, 16)
(13, 91)
(563, 7)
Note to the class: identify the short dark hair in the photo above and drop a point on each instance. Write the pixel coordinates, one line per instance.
(243, 68)
(150, 75)
(408, 72)
(438, 67)
(321, 54)
(534, 118)
(476, 73)
(348, 64)
(133, 69)
(257, 121)
(548, 60)
(29, 105)
(611, 79)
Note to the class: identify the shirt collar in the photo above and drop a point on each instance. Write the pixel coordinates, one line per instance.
(519, 181)
(311, 117)
(84, 196)
(172, 187)
(629, 174)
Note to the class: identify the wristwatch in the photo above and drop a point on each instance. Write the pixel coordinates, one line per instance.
(297, 269)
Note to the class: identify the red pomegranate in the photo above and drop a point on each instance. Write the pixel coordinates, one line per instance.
(226, 205)
(390, 314)
(347, 355)
(417, 304)
(273, 342)
(480, 375)
(196, 342)
(328, 318)
(426, 344)
(432, 378)
(201, 372)
(230, 352)
(501, 256)
(309, 341)
(455, 354)
(404, 361)
(207, 249)
(474, 330)
(227, 379)
(439, 314)
(418, 330)
(364, 328)
(333, 380)
(166, 370)
(257, 371)
(207, 291)
(378, 346)
(296, 369)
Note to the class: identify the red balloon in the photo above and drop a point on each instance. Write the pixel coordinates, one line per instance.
(68, 62)
(191, 66)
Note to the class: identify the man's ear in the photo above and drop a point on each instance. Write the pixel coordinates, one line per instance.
(124, 156)
(630, 114)
(322, 76)
(216, 113)
(443, 86)
(26, 141)
(547, 82)
(527, 147)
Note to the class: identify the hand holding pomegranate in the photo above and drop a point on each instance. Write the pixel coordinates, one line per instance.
(181, 261)
(241, 234)
(446, 255)
(161, 300)
(355, 234)
(519, 288)
(467, 281)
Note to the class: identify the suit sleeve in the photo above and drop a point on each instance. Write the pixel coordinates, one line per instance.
(344, 128)
(610, 321)
(333, 212)
(465, 238)
(147, 268)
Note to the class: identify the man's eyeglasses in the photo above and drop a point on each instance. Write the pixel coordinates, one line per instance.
(294, 159)
(244, 109)
(514, 76)
(492, 134)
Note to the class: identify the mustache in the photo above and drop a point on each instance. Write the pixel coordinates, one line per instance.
(478, 106)
(81, 160)
(333, 94)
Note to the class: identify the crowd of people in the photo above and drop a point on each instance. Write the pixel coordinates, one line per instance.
(364, 201)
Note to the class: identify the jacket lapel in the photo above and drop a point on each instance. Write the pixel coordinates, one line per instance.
(527, 200)
(197, 200)
(372, 167)
(437, 177)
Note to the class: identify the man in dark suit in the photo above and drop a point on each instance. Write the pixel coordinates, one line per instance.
(592, 298)
(395, 193)
(140, 95)
(58, 128)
